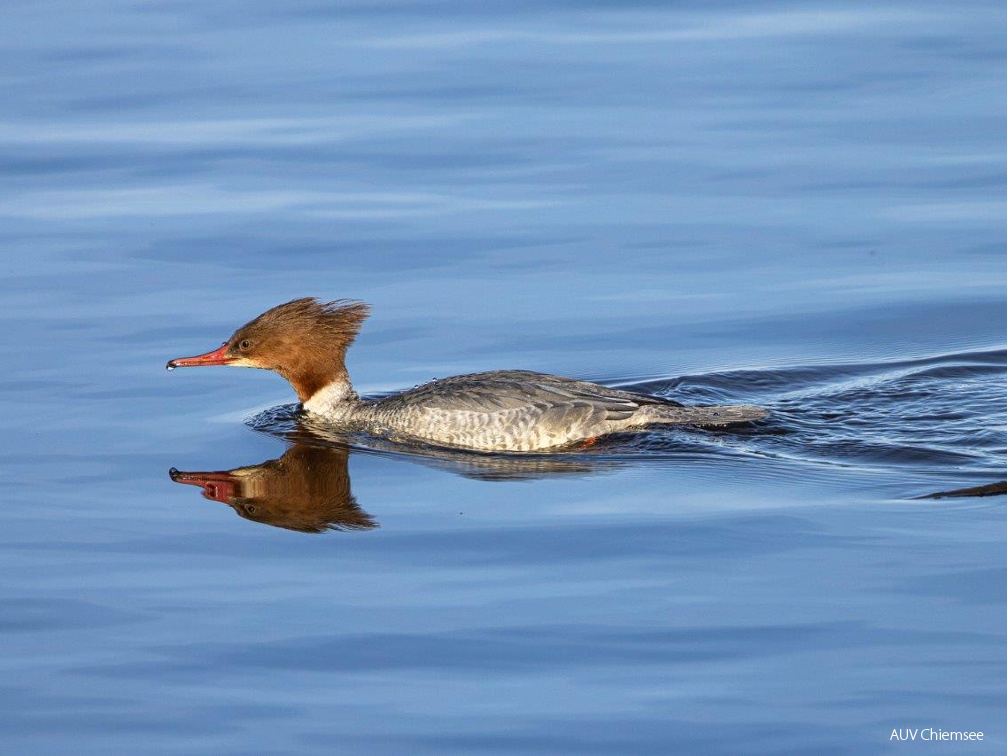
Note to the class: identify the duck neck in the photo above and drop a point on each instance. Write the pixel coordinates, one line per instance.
(335, 399)
(318, 375)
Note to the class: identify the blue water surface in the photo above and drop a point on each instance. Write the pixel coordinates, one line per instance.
(793, 204)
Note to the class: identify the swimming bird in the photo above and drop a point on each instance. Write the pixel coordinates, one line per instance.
(305, 341)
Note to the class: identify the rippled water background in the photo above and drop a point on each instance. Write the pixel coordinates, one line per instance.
(800, 205)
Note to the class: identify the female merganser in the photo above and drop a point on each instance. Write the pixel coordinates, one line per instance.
(305, 341)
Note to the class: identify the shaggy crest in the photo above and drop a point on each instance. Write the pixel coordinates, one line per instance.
(339, 320)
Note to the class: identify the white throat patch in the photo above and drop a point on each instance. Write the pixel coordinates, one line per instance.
(333, 400)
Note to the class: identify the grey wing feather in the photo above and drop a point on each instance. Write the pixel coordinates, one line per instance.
(521, 410)
(517, 389)
(516, 410)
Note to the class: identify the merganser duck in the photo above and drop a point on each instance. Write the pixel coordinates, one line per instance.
(305, 341)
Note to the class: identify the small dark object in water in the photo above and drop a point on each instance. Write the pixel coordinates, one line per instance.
(993, 489)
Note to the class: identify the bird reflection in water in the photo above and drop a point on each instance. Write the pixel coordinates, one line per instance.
(307, 489)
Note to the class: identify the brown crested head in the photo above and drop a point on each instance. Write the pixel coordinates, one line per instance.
(303, 340)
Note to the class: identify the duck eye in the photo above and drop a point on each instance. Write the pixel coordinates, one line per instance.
(245, 344)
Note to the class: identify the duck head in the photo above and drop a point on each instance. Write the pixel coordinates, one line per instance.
(304, 340)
